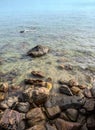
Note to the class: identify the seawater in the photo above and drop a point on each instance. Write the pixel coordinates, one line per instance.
(70, 34)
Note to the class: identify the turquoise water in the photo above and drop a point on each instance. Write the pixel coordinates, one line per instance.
(70, 34)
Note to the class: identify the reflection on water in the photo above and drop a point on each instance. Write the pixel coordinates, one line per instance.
(71, 36)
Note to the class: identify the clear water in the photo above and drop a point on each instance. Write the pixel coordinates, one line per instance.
(70, 34)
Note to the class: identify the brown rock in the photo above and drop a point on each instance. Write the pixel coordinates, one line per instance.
(91, 123)
(82, 86)
(40, 95)
(49, 127)
(23, 107)
(38, 51)
(72, 83)
(53, 112)
(72, 114)
(3, 87)
(64, 125)
(2, 96)
(89, 105)
(37, 127)
(93, 90)
(87, 93)
(65, 90)
(75, 90)
(35, 115)
(38, 74)
(64, 116)
(81, 119)
(61, 67)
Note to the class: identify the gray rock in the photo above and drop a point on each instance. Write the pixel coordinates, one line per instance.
(23, 107)
(65, 90)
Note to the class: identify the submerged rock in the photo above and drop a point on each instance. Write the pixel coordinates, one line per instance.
(38, 51)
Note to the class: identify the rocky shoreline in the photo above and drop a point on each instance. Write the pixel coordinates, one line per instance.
(36, 107)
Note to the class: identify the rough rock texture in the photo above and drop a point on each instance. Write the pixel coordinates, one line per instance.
(38, 51)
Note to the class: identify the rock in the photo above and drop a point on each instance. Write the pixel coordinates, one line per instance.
(64, 125)
(84, 127)
(40, 95)
(75, 90)
(35, 115)
(10, 120)
(38, 51)
(89, 105)
(23, 107)
(3, 87)
(64, 116)
(72, 114)
(65, 90)
(80, 94)
(11, 101)
(82, 111)
(53, 112)
(87, 93)
(61, 67)
(22, 125)
(82, 86)
(64, 102)
(38, 74)
(37, 127)
(93, 90)
(81, 119)
(72, 83)
(22, 31)
(2, 96)
(49, 127)
(49, 85)
(62, 82)
(91, 123)
(1, 114)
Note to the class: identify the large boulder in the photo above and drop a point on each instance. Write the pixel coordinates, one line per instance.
(38, 51)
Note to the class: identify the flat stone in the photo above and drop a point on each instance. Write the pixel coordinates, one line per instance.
(89, 105)
(23, 107)
(65, 125)
(64, 102)
(35, 115)
(72, 114)
(91, 123)
(53, 112)
(65, 90)
(38, 51)
(38, 74)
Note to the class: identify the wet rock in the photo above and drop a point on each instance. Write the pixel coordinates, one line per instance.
(2, 96)
(91, 123)
(65, 90)
(38, 74)
(72, 83)
(40, 95)
(37, 127)
(64, 125)
(89, 105)
(38, 51)
(64, 116)
(3, 87)
(64, 102)
(23, 107)
(87, 93)
(49, 127)
(35, 115)
(72, 114)
(53, 112)
(10, 120)
(75, 90)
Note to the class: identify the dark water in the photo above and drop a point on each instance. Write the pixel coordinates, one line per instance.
(70, 35)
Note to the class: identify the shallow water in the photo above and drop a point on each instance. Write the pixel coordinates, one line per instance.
(69, 34)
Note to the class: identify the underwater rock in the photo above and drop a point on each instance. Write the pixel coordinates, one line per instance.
(65, 125)
(65, 90)
(38, 51)
(38, 74)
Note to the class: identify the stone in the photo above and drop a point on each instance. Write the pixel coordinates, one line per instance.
(35, 115)
(65, 125)
(81, 86)
(62, 82)
(3, 87)
(38, 51)
(68, 67)
(89, 105)
(91, 123)
(61, 67)
(10, 120)
(38, 74)
(75, 90)
(2, 96)
(49, 127)
(87, 93)
(93, 90)
(65, 90)
(84, 127)
(82, 111)
(72, 83)
(81, 119)
(1, 114)
(23, 107)
(72, 114)
(22, 125)
(11, 101)
(37, 127)
(64, 116)
(53, 112)
(64, 102)
(40, 95)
